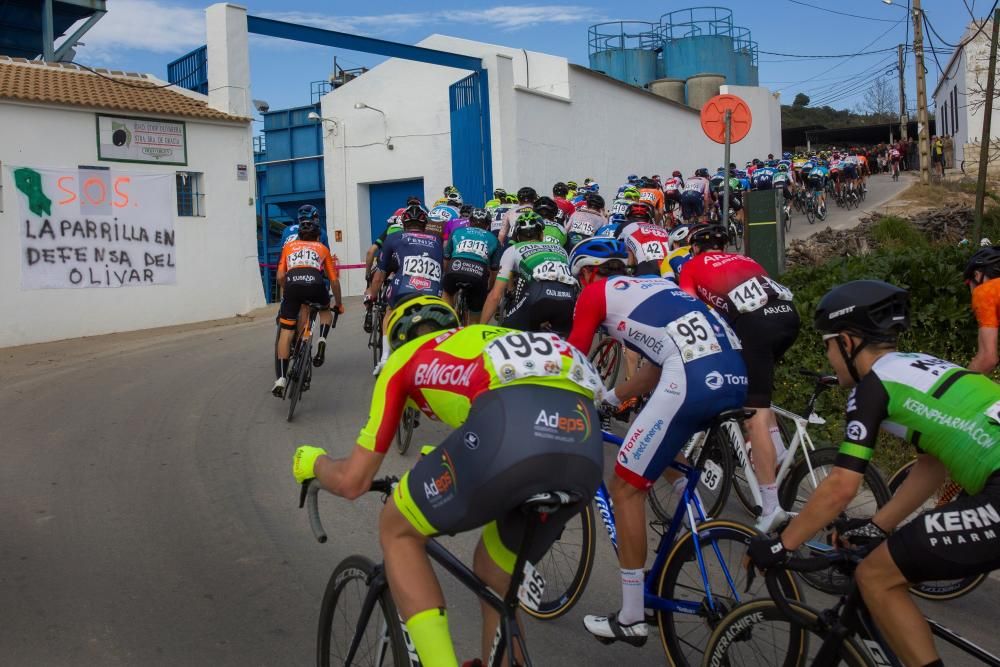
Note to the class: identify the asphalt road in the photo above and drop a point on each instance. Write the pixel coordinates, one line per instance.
(150, 516)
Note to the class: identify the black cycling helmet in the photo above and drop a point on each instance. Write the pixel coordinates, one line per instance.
(308, 230)
(560, 189)
(986, 260)
(414, 215)
(413, 200)
(480, 217)
(500, 194)
(527, 194)
(308, 212)
(594, 201)
(703, 172)
(546, 207)
(638, 212)
(709, 236)
(465, 211)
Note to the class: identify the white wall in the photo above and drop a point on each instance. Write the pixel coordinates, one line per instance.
(765, 129)
(217, 270)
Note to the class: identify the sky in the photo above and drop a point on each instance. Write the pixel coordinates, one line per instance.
(145, 35)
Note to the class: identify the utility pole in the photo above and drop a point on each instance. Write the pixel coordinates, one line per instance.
(902, 94)
(923, 122)
(984, 141)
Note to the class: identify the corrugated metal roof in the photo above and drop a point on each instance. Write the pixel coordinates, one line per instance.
(70, 85)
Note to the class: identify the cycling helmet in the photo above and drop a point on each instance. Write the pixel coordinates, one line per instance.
(594, 201)
(414, 215)
(448, 189)
(594, 186)
(511, 199)
(465, 211)
(786, 156)
(413, 200)
(560, 189)
(546, 207)
(637, 212)
(872, 309)
(415, 310)
(709, 236)
(528, 223)
(782, 167)
(527, 194)
(986, 260)
(308, 230)
(633, 179)
(703, 172)
(676, 173)
(631, 192)
(500, 194)
(571, 185)
(588, 181)
(480, 217)
(455, 198)
(679, 235)
(308, 212)
(597, 251)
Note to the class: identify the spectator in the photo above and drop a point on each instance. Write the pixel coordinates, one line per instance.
(937, 155)
(949, 151)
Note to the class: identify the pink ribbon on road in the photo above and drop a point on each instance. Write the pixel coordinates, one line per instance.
(338, 266)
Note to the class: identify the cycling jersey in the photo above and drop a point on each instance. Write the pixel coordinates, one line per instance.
(732, 284)
(554, 233)
(291, 233)
(582, 225)
(672, 188)
(498, 216)
(620, 206)
(565, 206)
(473, 244)
(392, 228)
(653, 196)
(648, 244)
(944, 410)
(986, 304)
(671, 265)
(762, 179)
(535, 261)
(415, 258)
(304, 264)
(509, 217)
(451, 225)
(443, 373)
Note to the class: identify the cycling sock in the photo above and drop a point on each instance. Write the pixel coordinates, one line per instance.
(385, 352)
(429, 632)
(936, 663)
(779, 445)
(769, 497)
(632, 594)
(277, 367)
(324, 330)
(283, 363)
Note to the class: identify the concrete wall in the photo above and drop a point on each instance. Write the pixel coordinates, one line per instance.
(217, 272)
(765, 131)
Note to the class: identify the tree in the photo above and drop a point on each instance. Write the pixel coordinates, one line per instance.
(879, 101)
(801, 100)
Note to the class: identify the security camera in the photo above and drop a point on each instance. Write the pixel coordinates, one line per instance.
(261, 106)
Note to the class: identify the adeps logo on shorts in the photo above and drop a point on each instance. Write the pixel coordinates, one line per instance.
(578, 423)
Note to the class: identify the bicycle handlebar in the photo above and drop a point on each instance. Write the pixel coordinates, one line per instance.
(308, 497)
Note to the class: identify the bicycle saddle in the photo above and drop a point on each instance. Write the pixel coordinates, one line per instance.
(738, 414)
(550, 501)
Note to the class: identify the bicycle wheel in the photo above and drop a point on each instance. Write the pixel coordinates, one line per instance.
(663, 499)
(462, 308)
(684, 636)
(944, 589)
(375, 341)
(382, 643)
(799, 486)
(566, 566)
(607, 359)
(404, 434)
(810, 214)
(787, 216)
(296, 377)
(757, 634)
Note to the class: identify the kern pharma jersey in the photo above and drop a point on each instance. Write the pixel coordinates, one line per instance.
(944, 410)
(535, 261)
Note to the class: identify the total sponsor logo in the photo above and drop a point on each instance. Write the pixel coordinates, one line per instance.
(714, 380)
(620, 285)
(965, 526)
(629, 445)
(438, 489)
(648, 439)
(436, 373)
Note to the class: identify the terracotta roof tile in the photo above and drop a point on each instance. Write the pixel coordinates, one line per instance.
(34, 81)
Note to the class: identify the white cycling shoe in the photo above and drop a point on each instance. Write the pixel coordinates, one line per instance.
(607, 629)
(378, 369)
(768, 522)
(278, 390)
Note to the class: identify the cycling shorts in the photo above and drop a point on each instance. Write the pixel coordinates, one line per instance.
(516, 442)
(692, 204)
(402, 286)
(683, 402)
(472, 276)
(651, 267)
(850, 170)
(736, 202)
(300, 289)
(766, 334)
(954, 541)
(544, 302)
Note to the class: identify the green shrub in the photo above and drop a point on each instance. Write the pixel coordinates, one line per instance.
(894, 232)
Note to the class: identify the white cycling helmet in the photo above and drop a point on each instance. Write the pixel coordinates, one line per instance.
(455, 199)
(678, 235)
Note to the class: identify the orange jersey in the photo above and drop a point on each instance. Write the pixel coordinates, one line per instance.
(986, 304)
(307, 255)
(654, 196)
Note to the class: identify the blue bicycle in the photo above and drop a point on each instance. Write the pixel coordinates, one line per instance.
(696, 578)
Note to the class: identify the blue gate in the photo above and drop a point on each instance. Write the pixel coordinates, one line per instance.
(471, 157)
(385, 198)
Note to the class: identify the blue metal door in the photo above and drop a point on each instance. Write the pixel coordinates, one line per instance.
(471, 158)
(385, 198)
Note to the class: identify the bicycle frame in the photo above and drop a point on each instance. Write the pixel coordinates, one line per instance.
(691, 504)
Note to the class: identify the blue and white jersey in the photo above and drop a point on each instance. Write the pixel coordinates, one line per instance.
(443, 213)
(291, 233)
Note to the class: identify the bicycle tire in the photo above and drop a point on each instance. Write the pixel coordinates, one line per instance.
(810, 214)
(607, 359)
(462, 308)
(358, 569)
(683, 636)
(736, 630)
(662, 496)
(559, 599)
(404, 434)
(939, 590)
(794, 495)
(787, 219)
(375, 338)
(296, 377)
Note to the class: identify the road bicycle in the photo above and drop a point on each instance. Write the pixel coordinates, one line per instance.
(408, 422)
(379, 307)
(786, 215)
(695, 578)
(358, 620)
(944, 589)
(300, 361)
(779, 631)
(814, 209)
(607, 360)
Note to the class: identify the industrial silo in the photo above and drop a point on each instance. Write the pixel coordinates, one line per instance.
(625, 50)
(671, 89)
(703, 39)
(703, 87)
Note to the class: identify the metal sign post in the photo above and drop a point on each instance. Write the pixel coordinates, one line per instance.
(725, 162)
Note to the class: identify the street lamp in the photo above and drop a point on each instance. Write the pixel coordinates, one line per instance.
(385, 122)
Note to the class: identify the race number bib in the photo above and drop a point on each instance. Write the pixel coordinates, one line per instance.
(530, 354)
(749, 296)
(694, 336)
(305, 258)
(653, 250)
(473, 247)
(780, 290)
(422, 267)
(620, 208)
(552, 270)
(582, 227)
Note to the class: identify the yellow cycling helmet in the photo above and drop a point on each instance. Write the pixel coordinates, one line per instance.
(415, 310)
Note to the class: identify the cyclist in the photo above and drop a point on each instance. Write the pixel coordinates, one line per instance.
(816, 183)
(760, 310)
(651, 193)
(560, 192)
(500, 390)
(647, 243)
(305, 212)
(414, 257)
(683, 342)
(696, 195)
(441, 213)
(303, 264)
(526, 197)
(554, 231)
(951, 416)
(982, 275)
(499, 198)
(448, 191)
(680, 251)
(461, 221)
(547, 290)
(587, 220)
(471, 255)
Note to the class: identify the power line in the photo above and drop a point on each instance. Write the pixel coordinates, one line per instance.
(850, 77)
(839, 55)
(832, 11)
(850, 90)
